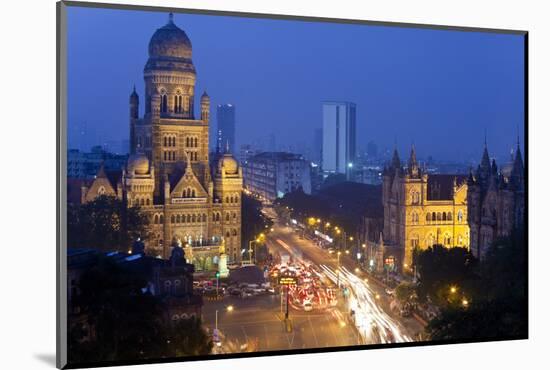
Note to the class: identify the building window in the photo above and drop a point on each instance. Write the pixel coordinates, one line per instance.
(163, 102)
(438, 216)
(444, 216)
(447, 240)
(415, 198)
(161, 219)
(428, 217)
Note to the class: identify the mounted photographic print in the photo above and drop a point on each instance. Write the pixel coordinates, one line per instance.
(238, 185)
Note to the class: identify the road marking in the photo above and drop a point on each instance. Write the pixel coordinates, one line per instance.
(313, 332)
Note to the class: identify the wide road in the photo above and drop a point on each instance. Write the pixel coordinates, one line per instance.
(256, 324)
(374, 319)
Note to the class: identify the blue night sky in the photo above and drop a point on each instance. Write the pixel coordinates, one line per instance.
(438, 89)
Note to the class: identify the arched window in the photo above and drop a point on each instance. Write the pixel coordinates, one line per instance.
(165, 141)
(204, 217)
(415, 197)
(428, 217)
(227, 235)
(196, 145)
(187, 142)
(178, 219)
(217, 216)
(163, 102)
(172, 219)
(188, 218)
(447, 239)
(147, 201)
(156, 219)
(161, 219)
(460, 216)
(234, 232)
(234, 216)
(194, 218)
(449, 216)
(438, 216)
(142, 202)
(236, 199)
(227, 217)
(193, 193)
(444, 216)
(226, 199)
(434, 218)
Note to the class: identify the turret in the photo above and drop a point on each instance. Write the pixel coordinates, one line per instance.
(413, 164)
(517, 169)
(134, 104)
(205, 107)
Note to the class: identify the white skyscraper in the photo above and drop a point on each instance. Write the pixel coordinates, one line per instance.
(338, 137)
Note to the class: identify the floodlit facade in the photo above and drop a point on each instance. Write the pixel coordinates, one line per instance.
(339, 138)
(422, 209)
(191, 200)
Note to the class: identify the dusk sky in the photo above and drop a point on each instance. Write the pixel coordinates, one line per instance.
(439, 89)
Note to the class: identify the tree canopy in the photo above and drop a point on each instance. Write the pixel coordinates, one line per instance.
(105, 224)
(490, 297)
(127, 323)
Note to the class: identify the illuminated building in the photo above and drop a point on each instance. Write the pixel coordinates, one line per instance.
(496, 201)
(190, 201)
(273, 174)
(339, 139)
(422, 209)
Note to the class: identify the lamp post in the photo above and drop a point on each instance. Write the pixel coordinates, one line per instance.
(338, 269)
(217, 282)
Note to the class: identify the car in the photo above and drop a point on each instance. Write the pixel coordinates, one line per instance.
(308, 306)
(389, 292)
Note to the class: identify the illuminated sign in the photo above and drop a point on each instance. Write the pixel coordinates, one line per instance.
(287, 280)
(323, 236)
(188, 200)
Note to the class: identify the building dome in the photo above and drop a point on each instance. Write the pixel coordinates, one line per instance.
(138, 163)
(228, 163)
(170, 41)
(205, 98)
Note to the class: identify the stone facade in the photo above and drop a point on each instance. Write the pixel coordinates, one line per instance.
(191, 200)
(422, 209)
(496, 201)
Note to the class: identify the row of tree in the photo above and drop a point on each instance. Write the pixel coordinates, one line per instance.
(105, 224)
(477, 300)
(117, 321)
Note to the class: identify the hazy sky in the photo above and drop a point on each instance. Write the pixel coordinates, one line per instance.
(439, 89)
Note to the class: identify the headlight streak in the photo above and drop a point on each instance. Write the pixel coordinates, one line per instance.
(373, 323)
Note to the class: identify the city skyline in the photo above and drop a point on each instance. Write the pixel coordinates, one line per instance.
(403, 92)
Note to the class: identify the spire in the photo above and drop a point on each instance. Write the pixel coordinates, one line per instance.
(227, 146)
(517, 169)
(485, 161)
(413, 164)
(101, 172)
(395, 161)
(171, 18)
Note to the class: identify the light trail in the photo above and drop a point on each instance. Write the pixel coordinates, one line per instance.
(375, 325)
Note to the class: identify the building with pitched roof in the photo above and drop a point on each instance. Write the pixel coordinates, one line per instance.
(191, 200)
(496, 201)
(421, 210)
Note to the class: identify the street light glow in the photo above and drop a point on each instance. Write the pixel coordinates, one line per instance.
(229, 308)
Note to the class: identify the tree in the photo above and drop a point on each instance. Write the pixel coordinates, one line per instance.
(404, 292)
(497, 307)
(188, 338)
(253, 220)
(106, 224)
(446, 275)
(127, 323)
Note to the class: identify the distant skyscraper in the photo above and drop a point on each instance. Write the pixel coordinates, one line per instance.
(338, 137)
(226, 127)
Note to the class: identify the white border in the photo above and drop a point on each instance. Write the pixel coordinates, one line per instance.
(28, 180)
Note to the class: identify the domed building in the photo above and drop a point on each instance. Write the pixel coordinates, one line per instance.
(191, 202)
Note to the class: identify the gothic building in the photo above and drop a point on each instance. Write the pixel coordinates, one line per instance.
(422, 209)
(191, 200)
(496, 201)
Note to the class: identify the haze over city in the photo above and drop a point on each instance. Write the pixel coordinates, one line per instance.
(410, 85)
